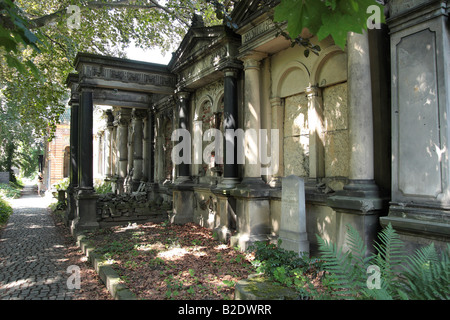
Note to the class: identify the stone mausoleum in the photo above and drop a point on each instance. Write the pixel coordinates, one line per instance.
(366, 129)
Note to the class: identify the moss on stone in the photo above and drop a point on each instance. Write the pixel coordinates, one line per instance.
(259, 287)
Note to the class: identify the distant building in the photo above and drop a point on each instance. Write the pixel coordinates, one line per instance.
(57, 153)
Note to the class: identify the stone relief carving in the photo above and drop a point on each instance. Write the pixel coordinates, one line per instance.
(128, 76)
(203, 65)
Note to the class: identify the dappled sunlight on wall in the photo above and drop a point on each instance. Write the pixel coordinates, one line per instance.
(336, 131)
(296, 136)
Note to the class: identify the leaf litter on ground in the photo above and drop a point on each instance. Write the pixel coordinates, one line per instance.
(167, 261)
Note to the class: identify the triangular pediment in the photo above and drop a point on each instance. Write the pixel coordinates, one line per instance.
(197, 42)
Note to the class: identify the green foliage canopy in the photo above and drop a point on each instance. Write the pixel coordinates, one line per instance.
(38, 46)
(327, 17)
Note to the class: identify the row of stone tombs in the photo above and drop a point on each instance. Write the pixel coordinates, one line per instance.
(295, 153)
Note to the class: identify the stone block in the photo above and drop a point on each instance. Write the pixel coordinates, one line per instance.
(293, 216)
(296, 156)
(296, 116)
(337, 154)
(335, 108)
(183, 206)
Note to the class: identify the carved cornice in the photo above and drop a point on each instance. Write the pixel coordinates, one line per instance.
(123, 74)
(127, 76)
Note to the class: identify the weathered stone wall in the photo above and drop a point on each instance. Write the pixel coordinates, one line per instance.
(296, 136)
(336, 134)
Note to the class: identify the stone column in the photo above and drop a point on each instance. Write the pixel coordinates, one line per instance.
(71, 208)
(252, 119)
(108, 144)
(145, 148)
(85, 168)
(227, 203)
(98, 169)
(316, 141)
(278, 158)
(74, 143)
(114, 162)
(137, 127)
(114, 173)
(230, 122)
(130, 149)
(359, 203)
(148, 154)
(183, 172)
(159, 167)
(86, 199)
(122, 120)
(360, 119)
(252, 194)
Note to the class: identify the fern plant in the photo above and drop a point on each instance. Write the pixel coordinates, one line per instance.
(346, 275)
(425, 275)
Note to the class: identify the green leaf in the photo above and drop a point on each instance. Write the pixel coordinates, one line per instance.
(333, 18)
(15, 63)
(300, 14)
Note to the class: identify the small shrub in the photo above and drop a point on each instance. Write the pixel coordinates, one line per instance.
(284, 266)
(269, 257)
(105, 187)
(10, 191)
(62, 184)
(5, 211)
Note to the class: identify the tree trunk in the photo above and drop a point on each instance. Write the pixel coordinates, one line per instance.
(9, 160)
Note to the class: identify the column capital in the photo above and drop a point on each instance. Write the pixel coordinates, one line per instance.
(138, 114)
(230, 72)
(182, 94)
(123, 117)
(74, 98)
(109, 118)
(85, 88)
(252, 59)
(276, 102)
(313, 91)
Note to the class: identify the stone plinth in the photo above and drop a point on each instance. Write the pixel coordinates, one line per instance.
(293, 216)
(252, 215)
(183, 204)
(86, 215)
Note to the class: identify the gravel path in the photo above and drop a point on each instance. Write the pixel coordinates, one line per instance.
(32, 263)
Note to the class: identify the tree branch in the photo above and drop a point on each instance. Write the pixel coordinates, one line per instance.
(125, 4)
(157, 5)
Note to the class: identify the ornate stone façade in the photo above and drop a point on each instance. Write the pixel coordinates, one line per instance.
(325, 118)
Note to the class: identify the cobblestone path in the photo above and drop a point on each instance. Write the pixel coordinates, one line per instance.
(32, 264)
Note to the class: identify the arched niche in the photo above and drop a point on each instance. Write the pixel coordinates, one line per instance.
(293, 79)
(330, 68)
